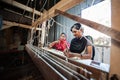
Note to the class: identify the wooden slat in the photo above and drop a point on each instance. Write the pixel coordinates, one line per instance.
(99, 27)
(21, 6)
(62, 5)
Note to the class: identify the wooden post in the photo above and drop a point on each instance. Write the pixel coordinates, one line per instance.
(43, 34)
(32, 30)
(33, 16)
(115, 48)
(39, 36)
(31, 36)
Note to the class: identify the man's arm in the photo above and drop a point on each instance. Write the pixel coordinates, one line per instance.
(88, 55)
(71, 54)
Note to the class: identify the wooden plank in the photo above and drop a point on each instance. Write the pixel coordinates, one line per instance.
(21, 6)
(115, 34)
(62, 5)
(17, 13)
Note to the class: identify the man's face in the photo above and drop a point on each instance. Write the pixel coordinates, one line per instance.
(76, 33)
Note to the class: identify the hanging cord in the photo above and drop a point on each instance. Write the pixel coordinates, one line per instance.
(42, 9)
(38, 37)
(31, 36)
(47, 25)
(33, 15)
(56, 23)
(51, 22)
(43, 6)
(23, 11)
(33, 30)
(93, 1)
(47, 31)
(35, 4)
(35, 37)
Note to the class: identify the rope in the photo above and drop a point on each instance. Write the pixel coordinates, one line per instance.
(56, 23)
(92, 2)
(51, 22)
(32, 30)
(24, 11)
(43, 6)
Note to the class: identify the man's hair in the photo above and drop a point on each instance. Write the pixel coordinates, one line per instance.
(76, 26)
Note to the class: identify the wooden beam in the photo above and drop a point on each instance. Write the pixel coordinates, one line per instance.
(5, 27)
(17, 13)
(8, 24)
(21, 6)
(63, 5)
(115, 47)
(99, 27)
